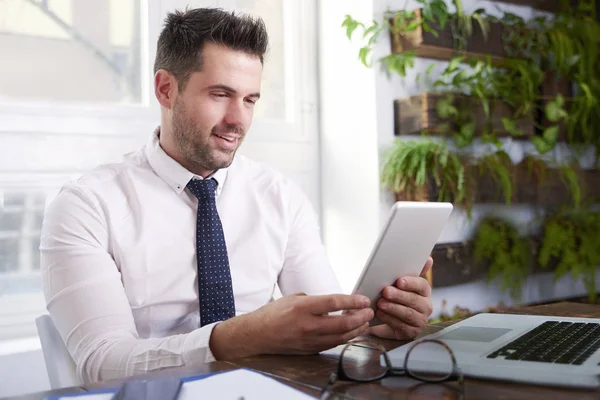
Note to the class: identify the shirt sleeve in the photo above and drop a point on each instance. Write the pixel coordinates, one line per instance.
(306, 267)
(88, 303)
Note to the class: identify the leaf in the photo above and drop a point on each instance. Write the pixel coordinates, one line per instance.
(430, 68)
(510, 126)
(412, 26)
(429, 29)
(454, 63)
(371, 29)
(459, 78)
(570, 177)
(572, 60)
(427, 12)
(350, 24)
(468, 130)
(554, 109)
(363, 54)
(550, 134)
(485, 102)
(445, 107)
(540, 144)
(442, 19)
(483, 24)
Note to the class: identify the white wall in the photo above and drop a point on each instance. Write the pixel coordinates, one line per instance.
(349, 159)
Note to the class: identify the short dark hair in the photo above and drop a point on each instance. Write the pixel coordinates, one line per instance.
(182, 39)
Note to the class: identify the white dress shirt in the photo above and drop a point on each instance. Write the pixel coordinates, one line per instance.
(118, 253)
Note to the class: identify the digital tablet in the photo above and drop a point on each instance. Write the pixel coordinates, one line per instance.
(403, 246)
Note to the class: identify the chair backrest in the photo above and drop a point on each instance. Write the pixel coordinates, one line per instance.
(59, 364)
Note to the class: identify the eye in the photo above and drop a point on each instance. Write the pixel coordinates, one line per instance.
(251, 101)
(220, 95)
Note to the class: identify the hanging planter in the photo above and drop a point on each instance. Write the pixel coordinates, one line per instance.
(438, 114)
(447, 41)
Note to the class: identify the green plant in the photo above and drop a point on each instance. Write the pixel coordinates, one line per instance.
(572, 181)
(499, 167)
(567, 47)
(409, 165)
(434, 17)
(462, 123)
(462, 25)
(485, 84)
(498, 246)
(571, 244)
(462, 313)
(457, 314)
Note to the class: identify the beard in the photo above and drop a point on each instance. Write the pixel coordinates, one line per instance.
(195, 145)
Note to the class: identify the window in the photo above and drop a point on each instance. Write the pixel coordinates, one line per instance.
(20, 224)
(76, 92)
(273, 103)
(71, 50)
(73, 94)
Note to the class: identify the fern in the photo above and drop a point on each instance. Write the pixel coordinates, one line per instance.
(498, 246)
(571, 245)
(409, 166)
(573, 184)
(499, 167)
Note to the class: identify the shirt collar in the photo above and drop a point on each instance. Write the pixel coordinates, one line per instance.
(173, 173)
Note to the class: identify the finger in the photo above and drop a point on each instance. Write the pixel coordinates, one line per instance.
(427, 267)
(339, 324)
(413, 300)
(402, 331)
(414, 284)
(318, 305)
(383, 331)
(403, 314)
(329, 341)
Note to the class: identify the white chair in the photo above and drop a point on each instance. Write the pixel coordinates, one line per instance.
(59, 364)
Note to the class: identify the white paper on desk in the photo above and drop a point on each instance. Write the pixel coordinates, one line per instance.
(232, 385)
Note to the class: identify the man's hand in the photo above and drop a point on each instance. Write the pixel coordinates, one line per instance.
(404, 308)
(296, 324)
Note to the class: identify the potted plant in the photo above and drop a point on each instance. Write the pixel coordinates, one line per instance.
(427, 169)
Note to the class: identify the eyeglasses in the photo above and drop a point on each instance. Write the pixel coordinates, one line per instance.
(363, 361)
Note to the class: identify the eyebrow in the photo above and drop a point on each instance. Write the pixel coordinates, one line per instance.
(231, 90)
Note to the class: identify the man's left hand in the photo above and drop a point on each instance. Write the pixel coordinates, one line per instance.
(404, 308)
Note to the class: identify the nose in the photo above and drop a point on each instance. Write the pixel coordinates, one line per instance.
(237, 113)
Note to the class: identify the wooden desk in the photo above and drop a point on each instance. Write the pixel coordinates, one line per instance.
(310, 373)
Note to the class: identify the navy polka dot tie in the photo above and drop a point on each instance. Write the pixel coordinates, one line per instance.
(215, 291)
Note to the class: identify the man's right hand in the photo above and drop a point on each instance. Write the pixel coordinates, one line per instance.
(296, 324)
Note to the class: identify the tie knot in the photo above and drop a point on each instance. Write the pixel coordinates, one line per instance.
(203, 189)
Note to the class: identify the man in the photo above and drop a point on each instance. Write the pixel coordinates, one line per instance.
(171, 257)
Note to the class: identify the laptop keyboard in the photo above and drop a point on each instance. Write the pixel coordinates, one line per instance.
(554, 342)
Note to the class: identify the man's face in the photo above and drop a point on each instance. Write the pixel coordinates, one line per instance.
(212, 114)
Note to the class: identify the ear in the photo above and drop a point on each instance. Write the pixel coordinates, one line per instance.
(165, 88)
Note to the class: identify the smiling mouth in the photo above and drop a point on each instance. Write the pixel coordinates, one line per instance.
(231, 140)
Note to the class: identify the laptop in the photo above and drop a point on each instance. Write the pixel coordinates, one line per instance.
(541, 350)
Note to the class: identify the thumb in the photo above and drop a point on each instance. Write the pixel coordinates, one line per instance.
(427, 267)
